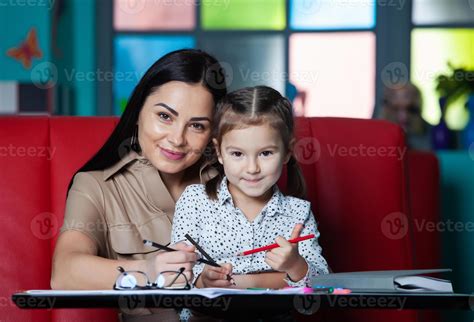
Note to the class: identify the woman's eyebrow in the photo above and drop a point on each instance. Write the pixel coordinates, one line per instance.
(172, 111)
(175, 113)
(200, 119)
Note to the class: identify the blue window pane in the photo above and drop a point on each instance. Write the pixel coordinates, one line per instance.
(331, 14)
(134, 55)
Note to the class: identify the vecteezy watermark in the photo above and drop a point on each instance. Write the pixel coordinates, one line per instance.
(102, 76)
(220, 75)
(133, 7)
(363, 150)
(307, 7)
(44, 75)
(27, 3)
(365, 301)
(131, 303)
(220, 303)
(395, 225)
(27, 151)
(395, 75)
(44, 226)
(307, 150)
(247, 75)
(33, 302)
(308, 304)
(310, 7)
(449, 226)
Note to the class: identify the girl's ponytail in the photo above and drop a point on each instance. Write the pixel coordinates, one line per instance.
(295, 185)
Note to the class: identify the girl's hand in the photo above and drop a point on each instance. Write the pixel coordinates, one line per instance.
(215, 276)
(184, 256)
(286, 258)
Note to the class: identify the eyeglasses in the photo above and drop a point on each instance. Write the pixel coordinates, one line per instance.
(138, 280)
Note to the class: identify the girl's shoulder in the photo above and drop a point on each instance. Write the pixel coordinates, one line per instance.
(194, 193)
(297, 206)
(195, 189)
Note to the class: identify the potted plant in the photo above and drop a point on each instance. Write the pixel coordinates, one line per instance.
(459, 83)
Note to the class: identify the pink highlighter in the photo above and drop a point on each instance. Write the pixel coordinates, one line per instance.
(341, 291)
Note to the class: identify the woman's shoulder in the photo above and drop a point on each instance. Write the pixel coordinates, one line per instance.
(87, 179)
(88, 183)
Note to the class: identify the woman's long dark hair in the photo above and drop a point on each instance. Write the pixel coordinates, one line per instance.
(186, 65)
(256, 106)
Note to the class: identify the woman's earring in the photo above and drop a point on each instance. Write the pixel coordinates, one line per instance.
(134, 141)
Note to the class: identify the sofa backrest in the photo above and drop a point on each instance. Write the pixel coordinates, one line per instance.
(38, 157)
(354, 170)
(356, 183)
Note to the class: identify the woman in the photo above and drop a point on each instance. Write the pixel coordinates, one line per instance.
(114, 203)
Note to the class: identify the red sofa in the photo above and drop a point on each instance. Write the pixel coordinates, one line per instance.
(356, 172)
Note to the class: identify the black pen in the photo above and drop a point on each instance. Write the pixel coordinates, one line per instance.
(168, 249)
(209, 258)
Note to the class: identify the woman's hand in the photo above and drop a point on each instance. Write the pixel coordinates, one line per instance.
(215, 276)
(286, 258)
(184, 256)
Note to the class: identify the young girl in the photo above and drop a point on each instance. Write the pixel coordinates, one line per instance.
(242, 207)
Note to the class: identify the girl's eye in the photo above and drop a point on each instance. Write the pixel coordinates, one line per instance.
(236, 154)
(164, 116)
(267, 153)
(198, 126)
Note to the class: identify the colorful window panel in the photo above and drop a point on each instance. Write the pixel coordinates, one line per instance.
(332, 14)
(432, 49)
(259, 59)
(145, 15)
(243, 14)
(334, 73)
(430, 12)
(134, 55)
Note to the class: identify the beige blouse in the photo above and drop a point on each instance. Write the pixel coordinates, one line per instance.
(119, 207)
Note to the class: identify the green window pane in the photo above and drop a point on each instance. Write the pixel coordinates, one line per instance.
(432, 49)
(244, 14)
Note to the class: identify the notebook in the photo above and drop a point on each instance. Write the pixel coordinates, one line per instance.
(387, 281)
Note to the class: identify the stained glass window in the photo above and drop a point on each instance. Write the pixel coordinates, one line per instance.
(334, 73)
(332, 14)
(243, 14)
(144, 15)
(432, 50)
(134, 55)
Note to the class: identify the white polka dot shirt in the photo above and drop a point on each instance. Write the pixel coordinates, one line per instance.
(222, 230)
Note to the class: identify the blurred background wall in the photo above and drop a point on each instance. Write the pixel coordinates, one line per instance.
(333, 57)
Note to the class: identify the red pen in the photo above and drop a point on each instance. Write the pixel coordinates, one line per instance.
(272, 246)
